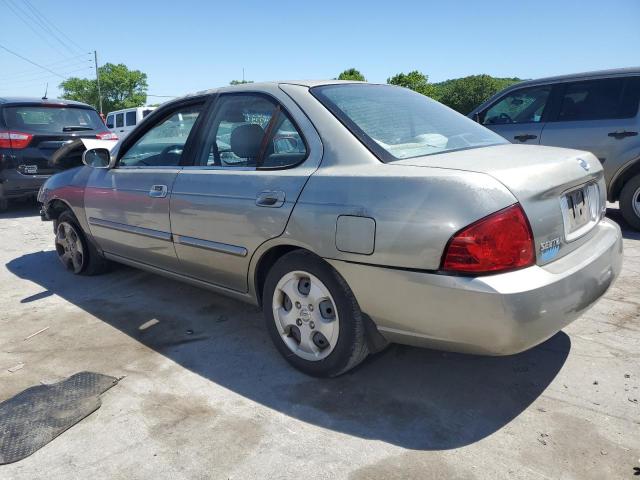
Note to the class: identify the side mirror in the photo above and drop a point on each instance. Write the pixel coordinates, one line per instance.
(97, 158)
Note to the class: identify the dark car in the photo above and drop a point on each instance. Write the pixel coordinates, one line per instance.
(31, 130)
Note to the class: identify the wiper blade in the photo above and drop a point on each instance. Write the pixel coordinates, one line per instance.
(75, 128)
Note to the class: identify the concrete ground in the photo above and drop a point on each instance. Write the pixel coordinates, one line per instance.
(206, 395)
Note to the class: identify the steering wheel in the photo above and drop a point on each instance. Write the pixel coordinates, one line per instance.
(504, 116)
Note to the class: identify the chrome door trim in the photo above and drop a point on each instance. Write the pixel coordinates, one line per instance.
(209, 245)
(121, 227)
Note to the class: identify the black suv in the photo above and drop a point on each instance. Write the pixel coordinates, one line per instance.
(30, 131)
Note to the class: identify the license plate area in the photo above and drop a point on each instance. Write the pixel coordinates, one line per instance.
(28, 169)
(580, 210)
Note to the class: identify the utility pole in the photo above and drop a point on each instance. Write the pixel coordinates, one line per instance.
(95, 56)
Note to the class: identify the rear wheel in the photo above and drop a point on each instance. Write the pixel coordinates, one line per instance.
(630, 202)
(74, 251)
(312, 316)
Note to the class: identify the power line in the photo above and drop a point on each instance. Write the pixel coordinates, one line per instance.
(47, 21)
(60, 65)
(31, 61)
(43, 76)
(20, 15)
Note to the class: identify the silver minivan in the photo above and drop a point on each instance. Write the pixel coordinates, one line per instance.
(595, 111)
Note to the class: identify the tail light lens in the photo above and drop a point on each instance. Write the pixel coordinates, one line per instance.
(502, 241)
(106, 136)
(13, 139)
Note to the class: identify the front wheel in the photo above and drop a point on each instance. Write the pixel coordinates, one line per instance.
(312, 316)
(630, 202)
(74, 251)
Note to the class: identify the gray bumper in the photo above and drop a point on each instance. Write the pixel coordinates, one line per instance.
(494, 315)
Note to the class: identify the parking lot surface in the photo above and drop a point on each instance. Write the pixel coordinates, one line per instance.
(204, 394)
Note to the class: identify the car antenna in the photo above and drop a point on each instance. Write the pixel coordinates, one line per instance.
(46, 89)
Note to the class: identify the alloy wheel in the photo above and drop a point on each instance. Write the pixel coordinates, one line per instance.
(69, 247)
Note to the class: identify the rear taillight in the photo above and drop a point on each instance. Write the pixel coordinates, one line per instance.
(13, 139)
(502, 241)
(106, 136)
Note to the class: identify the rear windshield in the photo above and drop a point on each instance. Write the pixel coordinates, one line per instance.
(52, 119)
(397, 123)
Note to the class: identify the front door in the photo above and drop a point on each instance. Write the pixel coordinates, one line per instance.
(127, 207)
(254, 161)
(519, 115)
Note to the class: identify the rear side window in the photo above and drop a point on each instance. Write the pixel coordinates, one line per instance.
(52, 119)
(131, 118)
(110, 121)
(600, 99)
(119, 120)
(521, 106)
(252, 131)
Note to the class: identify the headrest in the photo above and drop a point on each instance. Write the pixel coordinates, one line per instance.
(246, 140)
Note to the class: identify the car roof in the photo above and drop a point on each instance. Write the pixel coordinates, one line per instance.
(614, 72)
(40, 101)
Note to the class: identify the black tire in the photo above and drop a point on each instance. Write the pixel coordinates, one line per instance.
(92, 262)
(628, 195)
(351, 347)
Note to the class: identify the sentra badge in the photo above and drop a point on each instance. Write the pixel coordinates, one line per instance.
(549, 249)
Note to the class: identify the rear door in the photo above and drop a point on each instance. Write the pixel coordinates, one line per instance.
(598, 116)
(257, 152)
(127, 207)
(519, 116)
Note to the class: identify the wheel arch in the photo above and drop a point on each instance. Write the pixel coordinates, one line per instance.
(265, 261)
(630, 170)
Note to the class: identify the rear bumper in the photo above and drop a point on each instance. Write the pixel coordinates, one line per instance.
(13, 184)
(494, 315)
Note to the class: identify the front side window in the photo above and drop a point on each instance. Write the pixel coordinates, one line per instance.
(252, 131)
(599, 99)
(119, 120)
(163, 144)
(130, 118)
(397, 123)
(521, 106)
(110, 121)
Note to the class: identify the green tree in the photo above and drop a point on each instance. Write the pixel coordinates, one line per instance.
(464, 94)
(120, 88)
(352, 74)
(415, 80)
(239, 82)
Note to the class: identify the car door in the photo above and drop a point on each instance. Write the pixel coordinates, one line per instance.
(257, 151)
(598, 116)
(127, 207)
(519, 115)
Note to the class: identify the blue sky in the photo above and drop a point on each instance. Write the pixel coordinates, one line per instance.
(188, 46)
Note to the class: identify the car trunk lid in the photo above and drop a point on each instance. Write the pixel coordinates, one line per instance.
(561, 191)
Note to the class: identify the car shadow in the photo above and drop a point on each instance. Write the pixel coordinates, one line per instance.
(410, 397)
(21, 208)
(627, 231)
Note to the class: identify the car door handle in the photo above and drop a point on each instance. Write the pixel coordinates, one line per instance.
(525, 137)
(271, 199)
(158, 191)
(621, 134)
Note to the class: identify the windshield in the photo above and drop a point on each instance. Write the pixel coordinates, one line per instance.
(397, 123)
(45, 119)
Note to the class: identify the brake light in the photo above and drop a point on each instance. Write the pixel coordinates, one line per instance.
(106, 136)
(13, 139)
(502, 241)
